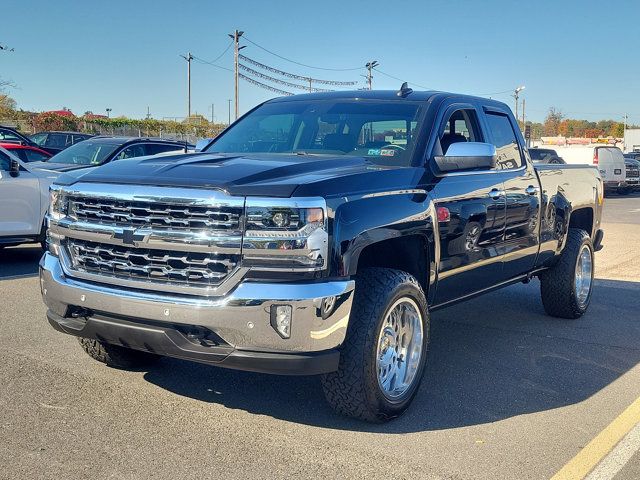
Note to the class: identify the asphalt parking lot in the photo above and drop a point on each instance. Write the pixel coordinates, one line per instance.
(508, 393)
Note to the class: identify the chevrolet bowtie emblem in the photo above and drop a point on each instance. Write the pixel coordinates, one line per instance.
(129, 236)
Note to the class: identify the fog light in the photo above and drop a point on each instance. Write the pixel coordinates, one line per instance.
(281, 319)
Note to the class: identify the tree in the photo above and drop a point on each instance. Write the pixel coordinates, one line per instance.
(552, 122)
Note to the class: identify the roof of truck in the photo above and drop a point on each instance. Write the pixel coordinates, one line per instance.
(416, 95)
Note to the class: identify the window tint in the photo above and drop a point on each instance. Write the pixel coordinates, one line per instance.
(9, 135)
(34, 156)
(39, 138)
(137, 150)
(78, 138)
(5, 162)
(155, 148)
(56, 140)
(461, 126)
(504, 138)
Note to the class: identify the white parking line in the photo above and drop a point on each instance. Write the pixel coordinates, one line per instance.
(619, 456)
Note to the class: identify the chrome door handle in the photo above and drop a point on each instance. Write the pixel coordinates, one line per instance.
(531, 190)
(496, 194)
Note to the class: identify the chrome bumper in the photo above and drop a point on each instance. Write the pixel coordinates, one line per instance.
(241, 317)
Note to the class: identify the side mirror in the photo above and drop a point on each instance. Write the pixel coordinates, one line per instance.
(202, 143)
(467, 156)
(14, 168)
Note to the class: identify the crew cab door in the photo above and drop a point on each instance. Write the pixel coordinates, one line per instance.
(471, 210)
(19, 201)
(522, 193)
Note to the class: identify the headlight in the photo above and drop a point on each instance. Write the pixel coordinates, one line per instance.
(288, 234)
(57, 203)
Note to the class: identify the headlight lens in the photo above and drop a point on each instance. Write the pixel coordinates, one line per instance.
(57, 204)
(288, 234)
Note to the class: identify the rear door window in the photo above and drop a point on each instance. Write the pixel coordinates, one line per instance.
(56, 140)
(503, 136)
(155, 148)
(136, 150)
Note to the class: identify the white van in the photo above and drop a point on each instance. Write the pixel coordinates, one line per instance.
(609, 161)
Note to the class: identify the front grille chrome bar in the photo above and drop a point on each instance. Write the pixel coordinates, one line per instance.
(185, 241)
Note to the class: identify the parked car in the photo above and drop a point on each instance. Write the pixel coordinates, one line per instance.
(632, 174)
(608, 159)
(55, 142)
(24, 199)
(314, 236)
(100, 150)
(26, 153)
(545, 155)
(11, 135)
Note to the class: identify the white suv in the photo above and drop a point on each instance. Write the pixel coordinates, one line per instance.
(24, 199)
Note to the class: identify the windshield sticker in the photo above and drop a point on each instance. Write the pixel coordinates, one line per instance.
(387, 152)
(374, 151)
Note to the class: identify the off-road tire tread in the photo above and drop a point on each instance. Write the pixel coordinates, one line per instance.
(116, 356)
(556, 284)
(345, 389)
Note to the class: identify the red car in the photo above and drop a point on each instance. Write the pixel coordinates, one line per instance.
(26, 153)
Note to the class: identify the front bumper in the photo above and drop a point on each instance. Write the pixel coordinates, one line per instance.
(239, 320)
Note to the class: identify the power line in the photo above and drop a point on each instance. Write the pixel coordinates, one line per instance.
(221, 55)
(301, 64)
(401, 79)
(200, 60)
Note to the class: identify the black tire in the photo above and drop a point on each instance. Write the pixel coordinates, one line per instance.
(558, 286)
(354, 389)
(116, 356)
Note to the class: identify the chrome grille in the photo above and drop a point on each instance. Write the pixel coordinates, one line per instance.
(119, 261)
(154, 215)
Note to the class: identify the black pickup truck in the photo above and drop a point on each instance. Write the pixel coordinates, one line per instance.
(314, 236)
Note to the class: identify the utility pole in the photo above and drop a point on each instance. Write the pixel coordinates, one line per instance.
(148, 113)
(236, 40)
(213, 109)
(624, 131)
(188, 57)
(516, 94)
(370, 66)
(229, 122)
(108, 110)
(310, 87)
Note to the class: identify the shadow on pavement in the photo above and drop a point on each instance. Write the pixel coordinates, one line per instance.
(19, 261)
(490, 359)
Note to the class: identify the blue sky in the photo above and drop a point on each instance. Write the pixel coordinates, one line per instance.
(580, 56)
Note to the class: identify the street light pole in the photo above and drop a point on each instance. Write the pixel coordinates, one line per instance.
(229, 121)
(516, 94)
(236, 51)
(370, 66)
(108, 112)
(188, 57)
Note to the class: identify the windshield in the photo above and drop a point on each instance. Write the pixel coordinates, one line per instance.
(85, 153)
(383, 131)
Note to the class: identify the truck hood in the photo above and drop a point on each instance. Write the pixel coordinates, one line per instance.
(251, 174)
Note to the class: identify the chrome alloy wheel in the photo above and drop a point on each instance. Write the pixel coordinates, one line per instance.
(584, 275)
(399, 348)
